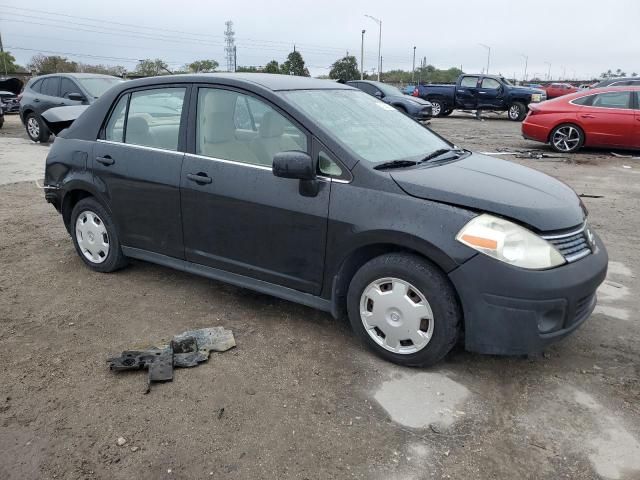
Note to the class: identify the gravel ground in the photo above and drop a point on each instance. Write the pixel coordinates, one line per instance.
(301, 398)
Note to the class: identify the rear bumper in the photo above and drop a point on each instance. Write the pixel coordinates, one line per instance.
(534, 131)
(512, 311)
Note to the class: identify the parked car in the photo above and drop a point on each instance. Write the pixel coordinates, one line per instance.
(1, 116)
(332, 200)
(618, 82)
(555, 90)
(537, 86)
(416, 108)
(602, 117)
(48, 91)
(9, 102)
(480, 92)
(9, 90)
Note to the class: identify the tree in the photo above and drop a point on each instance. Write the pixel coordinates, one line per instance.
(43, 64)
(8, 63)
(294, 65)
(202, 66)
(150, 68)
(116, 70)
(618, 73)
(271, 67)
(248, 69)
(345, 69)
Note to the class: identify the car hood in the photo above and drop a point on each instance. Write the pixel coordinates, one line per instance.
(526, 90)
(13, 85)
(416, 100)
(497, 186)
(60, 118)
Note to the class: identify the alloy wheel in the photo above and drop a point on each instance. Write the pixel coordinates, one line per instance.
(566, 139)
(514, 112)
(396, 315)
(435, 108)
(33, 127)
(92, 237)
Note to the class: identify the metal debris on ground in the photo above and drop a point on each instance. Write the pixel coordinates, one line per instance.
(589, 195)
(619, 155)
(185, 350)
(535, 154)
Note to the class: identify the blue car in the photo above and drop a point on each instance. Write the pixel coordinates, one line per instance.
(415, 107)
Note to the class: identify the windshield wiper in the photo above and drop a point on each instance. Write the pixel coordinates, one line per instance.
(396, 164)
(456, 152)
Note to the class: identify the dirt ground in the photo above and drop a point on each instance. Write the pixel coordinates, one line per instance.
(299, 397)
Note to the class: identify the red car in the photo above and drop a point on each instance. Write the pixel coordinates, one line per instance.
(601, 117)
(559, 89)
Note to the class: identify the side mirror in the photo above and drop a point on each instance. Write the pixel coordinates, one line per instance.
(78, 97)
(378, 94)
(297, 165)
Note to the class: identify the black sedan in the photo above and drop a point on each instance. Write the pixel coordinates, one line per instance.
(415, 107)
(318, 193)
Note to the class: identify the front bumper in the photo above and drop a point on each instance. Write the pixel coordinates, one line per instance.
(424, 113)
(513, 311)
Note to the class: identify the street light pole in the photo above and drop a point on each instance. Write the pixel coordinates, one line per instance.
(549, 70)
(362, 56)
(379, 22)
(526, 63)
(488, 56)
(413, 70)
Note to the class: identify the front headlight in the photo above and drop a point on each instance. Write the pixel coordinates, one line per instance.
(509, 243)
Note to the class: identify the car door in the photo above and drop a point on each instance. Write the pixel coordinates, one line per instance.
(467, 92)
(68, 87)
(239, 217)
(137, 163)
(490, 94)
(48, 97)
(609, 120)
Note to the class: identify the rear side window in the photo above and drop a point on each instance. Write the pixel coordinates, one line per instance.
(612, 100)
(490, 83)
(154, 117)
(114, 132)
(469, 82)
(50, 86)
(638, 100)
(36, 86)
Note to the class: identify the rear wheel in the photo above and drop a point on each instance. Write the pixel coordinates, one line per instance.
(36, 129)
(566, 138)
(404, 309)
(517, 111)
(438, 107)
(95, 238)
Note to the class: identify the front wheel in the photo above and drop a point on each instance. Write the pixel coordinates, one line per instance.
(36, 129)
(517, 111)
(566, 138)
(95, 238)
(404, 309)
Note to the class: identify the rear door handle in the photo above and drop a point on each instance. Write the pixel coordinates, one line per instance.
(106, 160)
(199, 178)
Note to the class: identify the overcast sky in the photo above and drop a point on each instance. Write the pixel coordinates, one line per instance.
(581, 37)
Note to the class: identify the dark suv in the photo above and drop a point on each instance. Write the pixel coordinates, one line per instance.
(318, 193)
(60, 89)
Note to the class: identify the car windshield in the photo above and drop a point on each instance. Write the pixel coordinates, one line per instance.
(505, 81)
(368, 127)
(96, 86)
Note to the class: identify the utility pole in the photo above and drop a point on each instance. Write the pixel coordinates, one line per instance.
(549, 70)
(526, 63)
(413, 69)
(379, 22)
(4, 58)
(235, 58)
(362, 56)
(488, 56)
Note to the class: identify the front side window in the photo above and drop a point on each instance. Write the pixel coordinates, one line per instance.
(373, 130)
(234, 126)
(490, 83)
(469, 82)
(612, 100)
(67, 86)
(154, 118)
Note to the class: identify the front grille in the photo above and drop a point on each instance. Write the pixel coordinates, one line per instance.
(572, 245)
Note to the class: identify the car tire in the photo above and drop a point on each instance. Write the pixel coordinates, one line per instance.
(422, 306)
(1, 120)
(438, 107)
(446, 113)
(36, 129)
(517, 111)
(95, 237)
(566, 138)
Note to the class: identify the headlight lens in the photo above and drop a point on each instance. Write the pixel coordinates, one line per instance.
(509, 243)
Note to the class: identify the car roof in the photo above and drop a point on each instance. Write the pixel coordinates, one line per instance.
(269, 81)
(75, 75)
(592, 91)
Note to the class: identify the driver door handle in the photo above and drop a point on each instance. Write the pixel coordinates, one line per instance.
(106, 160)
(587, 115)
(199, 178)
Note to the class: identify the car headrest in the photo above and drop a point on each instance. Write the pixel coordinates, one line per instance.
(137, 125)
(271, 125)
(218, 128)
